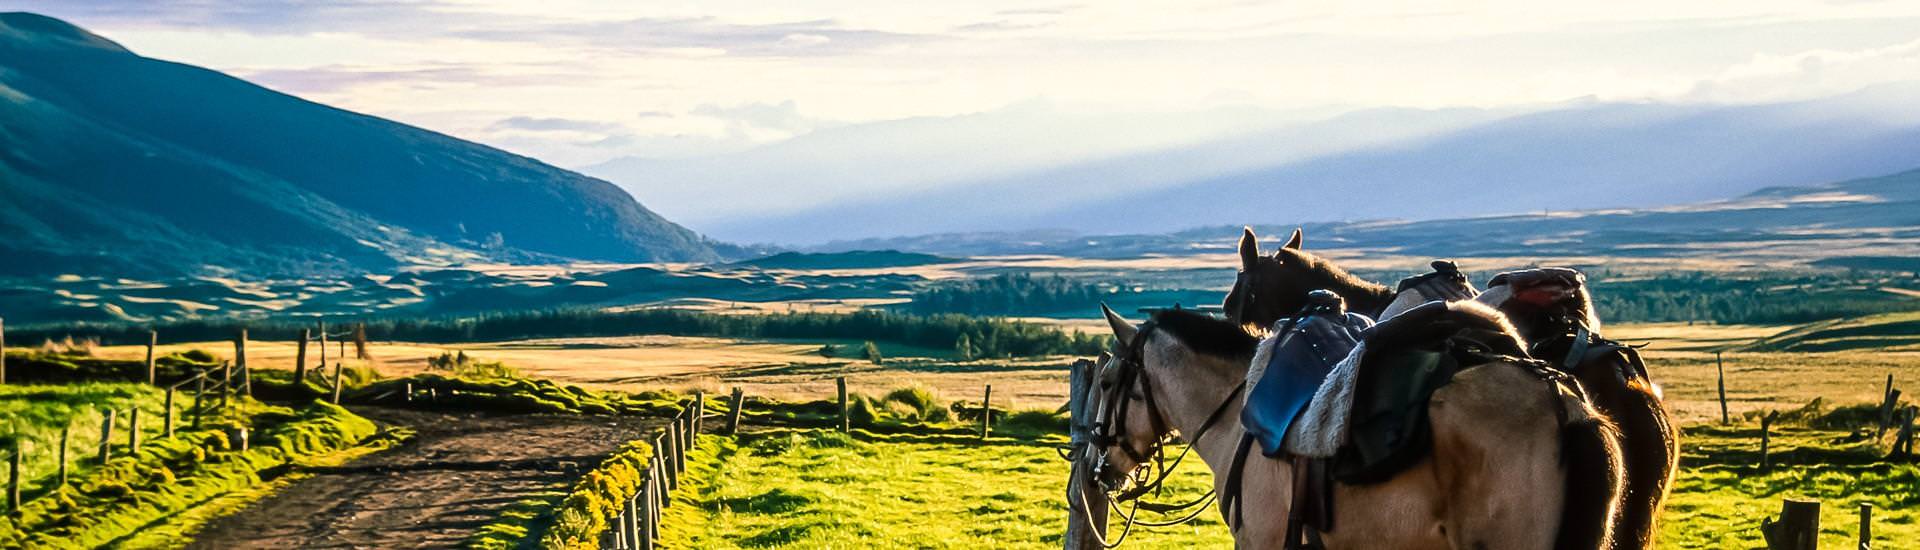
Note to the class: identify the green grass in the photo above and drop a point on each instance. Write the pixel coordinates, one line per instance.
(150, 498)
(1886, 331)
(35, 414)
(822, 489)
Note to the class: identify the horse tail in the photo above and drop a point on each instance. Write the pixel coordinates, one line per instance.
(1590, 454)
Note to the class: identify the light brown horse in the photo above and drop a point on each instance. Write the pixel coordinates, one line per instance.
(1271, 287)
(1510, 466)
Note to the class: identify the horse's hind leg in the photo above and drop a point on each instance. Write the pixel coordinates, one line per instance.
(1651, 455)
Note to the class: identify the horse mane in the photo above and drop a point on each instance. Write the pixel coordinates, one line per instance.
(1329, 275)
(1207, 334)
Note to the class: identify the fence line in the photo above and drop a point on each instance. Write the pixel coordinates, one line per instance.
(636, 522)
(110, 426)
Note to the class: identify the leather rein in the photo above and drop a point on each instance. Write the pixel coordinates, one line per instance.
(1108, 430)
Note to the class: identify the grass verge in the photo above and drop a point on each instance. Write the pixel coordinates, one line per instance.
(139, 499)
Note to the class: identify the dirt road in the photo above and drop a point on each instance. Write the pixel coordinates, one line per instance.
(455, 475)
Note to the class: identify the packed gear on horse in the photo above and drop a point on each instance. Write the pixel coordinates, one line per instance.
(1554, 311)
(1378, 396)
(1291, 367)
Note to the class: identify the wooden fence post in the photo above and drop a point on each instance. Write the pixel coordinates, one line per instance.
(153, 339)
(323, 349)
(678, 431)
(1798, 527)
(733, 415)
(106, 437)
(1888, 406)
(336, 381)
(199, 393)
(1866, 526)
(699, 410)
(133, 430)
(226, 382)
(663, 458)
(3, 351)
(300, 360)
(13, 478)
(1766, 427)
(645, 500)
(986, 413)
(240, 362)
(658, 502)
(1904, 441)
(1720, 368)
(846, 422)
(169, 411)
(409, 398)
(66, 434)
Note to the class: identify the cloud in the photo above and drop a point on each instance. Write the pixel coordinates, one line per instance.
(336, 78)
(783, 117)
(1771, 77)
(392, 17)
(554, 124)
(801, 38)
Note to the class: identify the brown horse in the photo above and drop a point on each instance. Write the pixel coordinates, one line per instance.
(1269, 286)
(1508, 469)
(1551, 308)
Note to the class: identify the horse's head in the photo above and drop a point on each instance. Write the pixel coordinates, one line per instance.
(1128, 427)
(1270, 286)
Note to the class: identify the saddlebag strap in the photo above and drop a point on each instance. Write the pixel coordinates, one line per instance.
(1311, 506)
(1230, 505)
(1577, 350)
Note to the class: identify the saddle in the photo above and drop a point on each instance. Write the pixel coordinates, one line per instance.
(1292, 365)
(1403, 362)
(1444, 283)
(1396, 367)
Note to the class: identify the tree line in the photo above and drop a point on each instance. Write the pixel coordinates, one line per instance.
(1010, 294)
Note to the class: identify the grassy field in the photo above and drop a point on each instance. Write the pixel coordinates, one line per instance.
(36, 414)
(819, 489)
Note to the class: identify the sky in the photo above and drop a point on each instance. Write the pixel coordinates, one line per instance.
(580, 82)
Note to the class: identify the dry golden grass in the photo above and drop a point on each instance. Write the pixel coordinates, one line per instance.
(1678, 358)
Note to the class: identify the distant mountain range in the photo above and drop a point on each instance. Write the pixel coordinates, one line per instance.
(113, 163)
(1389, 163)
(1866, 223)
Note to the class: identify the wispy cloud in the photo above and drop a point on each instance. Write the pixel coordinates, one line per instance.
(651, 35)
(548, 124)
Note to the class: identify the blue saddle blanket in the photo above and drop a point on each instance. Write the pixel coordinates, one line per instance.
(1301, 354)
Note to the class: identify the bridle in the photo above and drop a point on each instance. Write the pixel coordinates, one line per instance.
(1116, 395)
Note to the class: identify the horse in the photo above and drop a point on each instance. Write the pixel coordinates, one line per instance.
(1618, 387)
(1529, 469)
(1551, 308)
(1271, 288)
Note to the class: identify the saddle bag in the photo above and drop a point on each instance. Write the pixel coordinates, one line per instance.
(1298, 357)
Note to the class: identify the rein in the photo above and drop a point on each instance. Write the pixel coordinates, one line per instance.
(1108, 432)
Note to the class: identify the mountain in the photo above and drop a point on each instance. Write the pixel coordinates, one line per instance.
(1442, 164)
(1865, 223)
(114, 163)
(836, 164)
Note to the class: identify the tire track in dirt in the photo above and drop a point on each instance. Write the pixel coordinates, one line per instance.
(456, 474)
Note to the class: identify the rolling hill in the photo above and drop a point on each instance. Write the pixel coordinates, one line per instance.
(114, 163)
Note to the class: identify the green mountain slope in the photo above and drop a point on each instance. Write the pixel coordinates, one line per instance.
(119, 164)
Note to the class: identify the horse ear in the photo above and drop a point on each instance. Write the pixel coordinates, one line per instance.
(1249, 248)
(1123, 331)
(1294, 241)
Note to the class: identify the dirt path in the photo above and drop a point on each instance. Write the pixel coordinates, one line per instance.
(457, 474)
